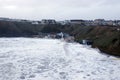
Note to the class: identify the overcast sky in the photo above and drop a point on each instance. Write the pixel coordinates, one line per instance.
(60, 9)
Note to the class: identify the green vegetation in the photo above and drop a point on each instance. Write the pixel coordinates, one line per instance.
(18, 29)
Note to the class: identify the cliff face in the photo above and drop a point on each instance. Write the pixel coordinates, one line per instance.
(107, 39)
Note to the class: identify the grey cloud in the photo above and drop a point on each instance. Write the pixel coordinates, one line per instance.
(59, 9)
(111, 2)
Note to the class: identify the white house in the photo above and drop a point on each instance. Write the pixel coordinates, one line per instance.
(48, 21)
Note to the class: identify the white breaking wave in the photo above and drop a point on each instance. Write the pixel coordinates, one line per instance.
(47, 59)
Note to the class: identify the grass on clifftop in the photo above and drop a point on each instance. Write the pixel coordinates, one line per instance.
(107, 39)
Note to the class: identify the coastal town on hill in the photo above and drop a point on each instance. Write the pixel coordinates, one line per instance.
(96, 22)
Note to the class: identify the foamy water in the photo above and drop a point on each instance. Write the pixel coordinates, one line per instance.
(47, 59)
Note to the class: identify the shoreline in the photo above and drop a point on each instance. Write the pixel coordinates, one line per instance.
(103, 51)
